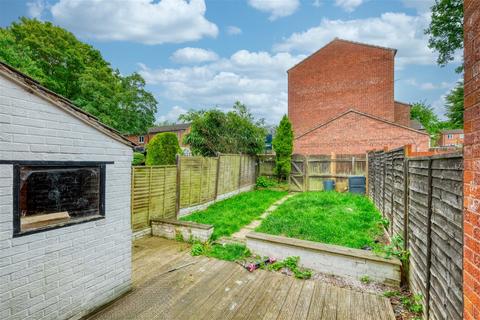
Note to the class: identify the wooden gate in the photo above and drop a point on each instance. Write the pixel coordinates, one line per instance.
(297, 175)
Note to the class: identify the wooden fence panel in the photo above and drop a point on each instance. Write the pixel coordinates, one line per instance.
(153, 194)
(248, 170)
(447, 239)
(197, 180)
(266, 165)
(423, 199)
(228, 173)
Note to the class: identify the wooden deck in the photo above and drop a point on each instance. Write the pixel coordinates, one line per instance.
(203, 288)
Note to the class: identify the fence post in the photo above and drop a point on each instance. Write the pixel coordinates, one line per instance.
(429, 240)
(406, 201)
(149, 195)
(217, 177)
(178, 190)
(240, 172)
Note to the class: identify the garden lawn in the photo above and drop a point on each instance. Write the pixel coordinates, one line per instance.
(230, 215)
(330, 217)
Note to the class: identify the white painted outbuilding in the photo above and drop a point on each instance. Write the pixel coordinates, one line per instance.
(65, 236)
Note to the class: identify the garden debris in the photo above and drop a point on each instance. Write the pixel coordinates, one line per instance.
(256, 265)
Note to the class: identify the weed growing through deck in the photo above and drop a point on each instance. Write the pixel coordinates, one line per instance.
(230, 215)
(365, 279)
(407, 301)
(330, 217)
(291, 263)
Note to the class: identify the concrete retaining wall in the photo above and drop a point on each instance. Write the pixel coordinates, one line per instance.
(326, 258)
(171, 229)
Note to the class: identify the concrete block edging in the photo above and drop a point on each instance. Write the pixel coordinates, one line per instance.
(189, 231)
(327, 258)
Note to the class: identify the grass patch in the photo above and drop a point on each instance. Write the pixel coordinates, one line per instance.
(228, 252)
(230, 215)
(330, 217)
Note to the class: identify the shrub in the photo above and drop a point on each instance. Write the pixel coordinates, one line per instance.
(138, 159)
(265, 182)
(162, 149)
(283, 146)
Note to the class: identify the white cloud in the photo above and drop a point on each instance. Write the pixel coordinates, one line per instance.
(257, 79)
(172, 115)
(394, 30)
(144, 21)
(421, 6)
(276, 8)
(36, 8)
(348, 5)
(233, 30)
(193, 55)
(429, 85)
(316, 3)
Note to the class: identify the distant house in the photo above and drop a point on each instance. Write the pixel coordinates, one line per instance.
(451, 138)
(179, 129)
(341, 100)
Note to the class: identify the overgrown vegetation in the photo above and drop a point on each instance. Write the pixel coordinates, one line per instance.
(59, 61)
(138, 159)
(214, 131)
(330, 217)
(410, 302)
(291, 264)
(162, 149)
(228, 251)
(230, 215)
(283, 147)
(271, 184)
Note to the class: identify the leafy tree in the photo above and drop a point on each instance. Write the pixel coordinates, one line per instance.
(426, 116)
(162, 149)
(59, 61)
(214, 131)
(283, 147)
(446, 30)
(455, 107)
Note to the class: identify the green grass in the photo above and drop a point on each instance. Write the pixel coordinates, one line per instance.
(230, 215)
(337, 218)
(228, 252)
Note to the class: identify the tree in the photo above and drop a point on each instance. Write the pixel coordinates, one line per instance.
(455, 109)
(214, 131)
(426, 116)
(59, 61)
(138, 159)
(162, 149)
(446, 30)
(283, 146)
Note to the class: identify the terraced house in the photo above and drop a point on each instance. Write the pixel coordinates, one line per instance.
(341, 99)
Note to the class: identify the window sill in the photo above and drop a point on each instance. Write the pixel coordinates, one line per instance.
(59, 225)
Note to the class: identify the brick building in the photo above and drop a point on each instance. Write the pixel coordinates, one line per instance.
(341, 99)
(449, 138)
(471, 226)
(179, 129)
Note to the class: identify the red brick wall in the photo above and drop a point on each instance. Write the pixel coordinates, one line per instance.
(471, 262)
(456, 139)
(339, 77)
(354, 133)
(402, 113)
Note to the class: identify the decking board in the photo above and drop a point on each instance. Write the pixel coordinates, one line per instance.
(214, 289)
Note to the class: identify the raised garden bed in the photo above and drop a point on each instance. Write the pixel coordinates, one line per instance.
(184, 230)
(230, 215)
(343, 219)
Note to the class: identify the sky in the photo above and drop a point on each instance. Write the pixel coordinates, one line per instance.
(201, 54)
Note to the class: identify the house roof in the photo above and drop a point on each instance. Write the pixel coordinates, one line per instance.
(403, 103)
(169, 128)
(342, 40)
(362, 114)
(415, 124)
(34, 87)
(452, 131)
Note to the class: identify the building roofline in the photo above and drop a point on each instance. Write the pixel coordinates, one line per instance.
(342, 40)
(360, 113)
(34, 87)
(404, 103)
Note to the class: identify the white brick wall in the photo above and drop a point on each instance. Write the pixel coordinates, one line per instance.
(66, 272)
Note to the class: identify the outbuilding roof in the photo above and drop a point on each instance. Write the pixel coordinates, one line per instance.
(169, 128)
(452, 131)
(34, 87)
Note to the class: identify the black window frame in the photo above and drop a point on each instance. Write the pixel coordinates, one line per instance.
(17, 232)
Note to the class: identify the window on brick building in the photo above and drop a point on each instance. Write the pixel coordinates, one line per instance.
(141, 139)
(461, 136)
(450, 136)
(57, 194)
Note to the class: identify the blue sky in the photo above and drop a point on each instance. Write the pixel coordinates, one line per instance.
(200, 54)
